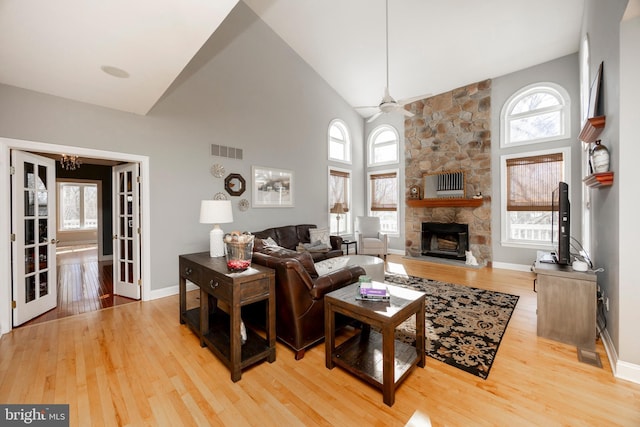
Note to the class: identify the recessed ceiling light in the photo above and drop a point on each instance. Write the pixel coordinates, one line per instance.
(115, 71)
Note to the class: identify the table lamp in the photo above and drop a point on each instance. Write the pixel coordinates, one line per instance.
(216, 212)
(338, 209)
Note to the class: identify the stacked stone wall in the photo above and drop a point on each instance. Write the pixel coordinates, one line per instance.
(450, 132)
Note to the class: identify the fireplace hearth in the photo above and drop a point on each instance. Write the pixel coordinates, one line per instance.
(445, 240)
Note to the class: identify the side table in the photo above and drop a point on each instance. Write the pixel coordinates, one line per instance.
(220, 331)
(360, 354)
(348, 243)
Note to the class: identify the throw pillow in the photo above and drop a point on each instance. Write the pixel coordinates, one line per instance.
(304, 257)
(330, 265)
(321, 234)
(269, 242)
(316, 246)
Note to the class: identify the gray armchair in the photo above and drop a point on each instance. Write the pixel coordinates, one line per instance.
(371, 241)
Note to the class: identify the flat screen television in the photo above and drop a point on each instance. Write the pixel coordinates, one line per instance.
(560, 224)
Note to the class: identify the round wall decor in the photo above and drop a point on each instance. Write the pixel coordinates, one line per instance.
(217, 170)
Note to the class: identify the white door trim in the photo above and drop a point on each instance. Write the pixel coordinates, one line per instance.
(7, 144)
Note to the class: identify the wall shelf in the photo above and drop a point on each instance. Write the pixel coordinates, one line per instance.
(592, 129)
(444, 203)
(602, 179)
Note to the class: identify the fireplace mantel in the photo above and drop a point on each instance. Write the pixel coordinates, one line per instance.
(437, 203)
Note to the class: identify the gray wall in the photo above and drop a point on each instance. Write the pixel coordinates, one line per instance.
(614, 247)
(564, 72)
(626, 178)
(245, 89)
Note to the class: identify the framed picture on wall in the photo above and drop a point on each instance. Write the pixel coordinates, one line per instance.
(272, 188)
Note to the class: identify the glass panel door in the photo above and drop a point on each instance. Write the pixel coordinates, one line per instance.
(126, 275)
(33, 224)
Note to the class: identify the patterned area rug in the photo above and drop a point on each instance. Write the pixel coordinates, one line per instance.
(464, 325)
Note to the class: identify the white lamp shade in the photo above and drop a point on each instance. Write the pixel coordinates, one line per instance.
(215, 212)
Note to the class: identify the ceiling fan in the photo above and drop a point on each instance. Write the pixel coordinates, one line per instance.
(388, 103)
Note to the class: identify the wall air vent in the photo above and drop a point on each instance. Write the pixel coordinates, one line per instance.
(224, 151)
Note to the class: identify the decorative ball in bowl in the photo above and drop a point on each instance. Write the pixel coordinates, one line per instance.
(239, 250)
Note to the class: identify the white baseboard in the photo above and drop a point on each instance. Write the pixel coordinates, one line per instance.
(509, 266)
(621, 369)
(396, 251)
(169, 291)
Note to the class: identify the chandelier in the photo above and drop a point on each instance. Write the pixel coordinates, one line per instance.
(70, 163)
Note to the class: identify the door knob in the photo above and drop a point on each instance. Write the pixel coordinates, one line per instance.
(54, 241)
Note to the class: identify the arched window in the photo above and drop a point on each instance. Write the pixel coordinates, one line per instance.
(536, 113)
(339, 142)
(384, 146)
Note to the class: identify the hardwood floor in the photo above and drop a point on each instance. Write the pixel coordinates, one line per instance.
(136, 365)
(84, 284)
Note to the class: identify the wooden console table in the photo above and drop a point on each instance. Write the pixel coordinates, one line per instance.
(566, 305)
(360, 354)
(220, 331)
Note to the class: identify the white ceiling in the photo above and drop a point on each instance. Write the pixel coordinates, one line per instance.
(58, 47)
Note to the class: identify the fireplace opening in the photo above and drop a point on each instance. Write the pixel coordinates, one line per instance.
(445, 240)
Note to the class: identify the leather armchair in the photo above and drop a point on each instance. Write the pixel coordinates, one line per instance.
(300, 295)
(371, 241)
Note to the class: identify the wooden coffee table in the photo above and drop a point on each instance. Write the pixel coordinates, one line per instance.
(361, 354)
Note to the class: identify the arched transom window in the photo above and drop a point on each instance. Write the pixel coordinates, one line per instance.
(339, 142)
(536, 113)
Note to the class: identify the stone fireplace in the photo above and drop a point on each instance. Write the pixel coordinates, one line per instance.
(445, 240)
(451, 132)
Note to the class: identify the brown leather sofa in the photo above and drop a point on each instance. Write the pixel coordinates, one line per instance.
(299, 295)
(290, 236)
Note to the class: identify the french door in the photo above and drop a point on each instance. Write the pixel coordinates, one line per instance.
(126, 227)
(33, 225)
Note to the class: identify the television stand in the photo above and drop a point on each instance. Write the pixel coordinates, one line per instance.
(567, 305)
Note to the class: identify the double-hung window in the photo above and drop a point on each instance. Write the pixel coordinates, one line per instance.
(78, 206)
(383, 196)
(530, 179)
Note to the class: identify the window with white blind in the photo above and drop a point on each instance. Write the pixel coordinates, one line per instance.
(339, 201)
(529, 180)
(383, 199)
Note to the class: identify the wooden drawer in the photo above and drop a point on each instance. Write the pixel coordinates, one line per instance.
(190, 271)
(217, 285)
(254, 290)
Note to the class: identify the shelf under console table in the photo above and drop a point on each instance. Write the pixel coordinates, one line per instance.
(219, 330)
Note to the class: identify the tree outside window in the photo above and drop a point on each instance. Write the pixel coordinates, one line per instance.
(78, 206)
(530, 181)
(384, 199)
(383, 146)
(536, 113)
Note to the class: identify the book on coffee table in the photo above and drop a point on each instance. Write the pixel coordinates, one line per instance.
(373, 291)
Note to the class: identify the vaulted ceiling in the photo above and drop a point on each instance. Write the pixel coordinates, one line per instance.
(125, 54)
